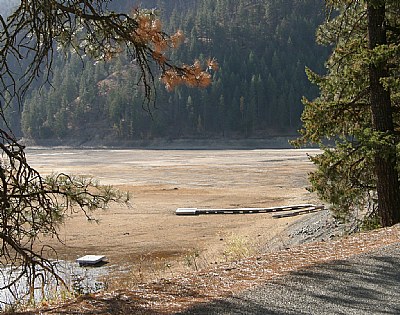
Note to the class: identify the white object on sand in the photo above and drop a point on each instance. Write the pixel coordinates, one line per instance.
(90, 259)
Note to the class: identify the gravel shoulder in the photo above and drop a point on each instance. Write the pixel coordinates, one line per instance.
(364, 284)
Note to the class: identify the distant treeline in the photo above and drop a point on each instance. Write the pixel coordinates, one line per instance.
(262, 48)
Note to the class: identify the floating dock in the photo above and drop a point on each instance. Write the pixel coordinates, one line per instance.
(90, 260)
(295, 210)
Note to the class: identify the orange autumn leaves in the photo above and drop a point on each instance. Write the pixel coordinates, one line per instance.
(149, 33)
(193, 76)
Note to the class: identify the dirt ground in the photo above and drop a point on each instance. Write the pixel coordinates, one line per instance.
(160, 181)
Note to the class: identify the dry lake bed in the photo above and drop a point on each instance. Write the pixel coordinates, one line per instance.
(159, 182)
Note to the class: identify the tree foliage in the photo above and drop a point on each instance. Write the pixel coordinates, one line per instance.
(348, 114)
(32, 205)
(36, 28)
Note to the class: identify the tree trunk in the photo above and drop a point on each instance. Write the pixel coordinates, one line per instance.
(382, 120)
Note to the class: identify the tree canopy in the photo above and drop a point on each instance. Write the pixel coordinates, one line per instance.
(36, 28)
(355, 120)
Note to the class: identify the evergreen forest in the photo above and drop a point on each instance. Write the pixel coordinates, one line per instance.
(262, 48)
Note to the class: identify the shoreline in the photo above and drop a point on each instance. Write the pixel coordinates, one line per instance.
(281, 142)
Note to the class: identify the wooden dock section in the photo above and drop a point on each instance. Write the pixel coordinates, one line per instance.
(294, 210)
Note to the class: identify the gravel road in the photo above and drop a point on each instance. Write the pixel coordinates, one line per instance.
(365, 284)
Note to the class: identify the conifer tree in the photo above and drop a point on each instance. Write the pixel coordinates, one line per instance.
(358, 110)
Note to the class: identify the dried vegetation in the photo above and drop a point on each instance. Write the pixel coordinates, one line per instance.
(170, 295)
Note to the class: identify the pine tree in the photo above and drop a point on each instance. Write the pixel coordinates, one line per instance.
(356, 110)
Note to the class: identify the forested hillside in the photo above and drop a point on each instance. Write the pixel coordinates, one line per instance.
(262, 48)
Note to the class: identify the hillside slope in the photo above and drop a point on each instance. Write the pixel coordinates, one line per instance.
(262, 48)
